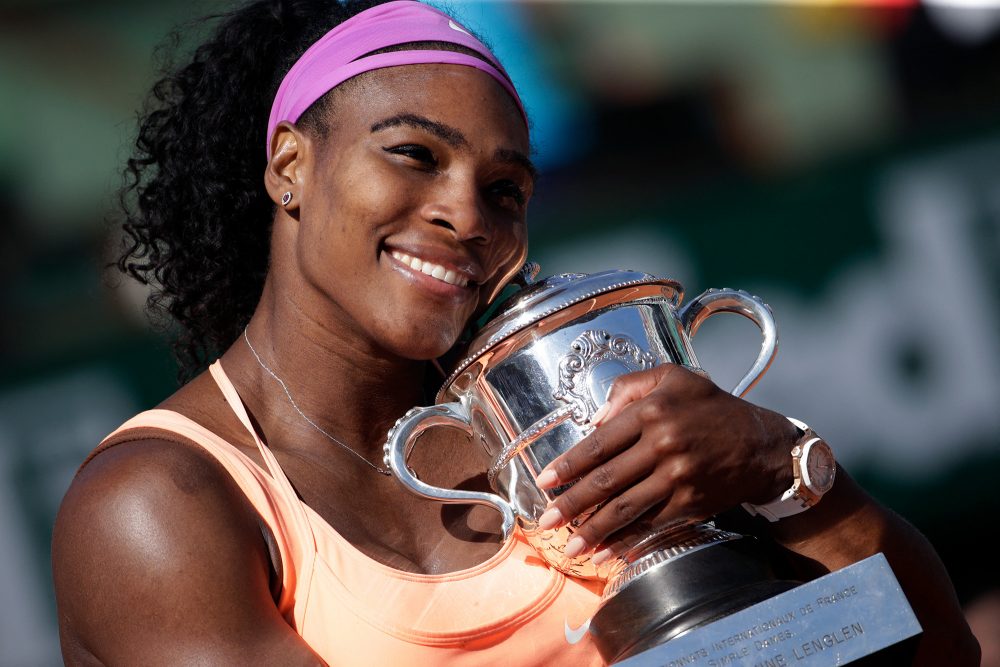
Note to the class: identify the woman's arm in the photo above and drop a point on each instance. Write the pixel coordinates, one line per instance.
(673, 446)
(158, 559)
(849, 525)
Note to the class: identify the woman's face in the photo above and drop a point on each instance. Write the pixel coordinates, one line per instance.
(412, 208)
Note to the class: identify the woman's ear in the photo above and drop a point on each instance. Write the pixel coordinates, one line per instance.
(284, 176)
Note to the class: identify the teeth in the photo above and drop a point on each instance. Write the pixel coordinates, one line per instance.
(434, 270)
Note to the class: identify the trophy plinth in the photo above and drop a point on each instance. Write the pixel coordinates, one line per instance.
(671, 597)
(857, 615)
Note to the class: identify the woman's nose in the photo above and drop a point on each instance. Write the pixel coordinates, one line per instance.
(457, 207)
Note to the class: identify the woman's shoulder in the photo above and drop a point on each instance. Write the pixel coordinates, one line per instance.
(153, 446)
(157, 453)
(148, 486)
(137, 494)
(153, 543)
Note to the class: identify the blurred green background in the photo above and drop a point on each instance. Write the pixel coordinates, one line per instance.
(843, 163)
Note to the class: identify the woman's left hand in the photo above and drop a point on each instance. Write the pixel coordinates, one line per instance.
(670, 446)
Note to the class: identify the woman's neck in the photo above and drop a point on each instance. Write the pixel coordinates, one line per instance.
(304, 377)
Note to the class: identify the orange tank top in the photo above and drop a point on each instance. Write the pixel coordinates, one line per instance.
(352, 610)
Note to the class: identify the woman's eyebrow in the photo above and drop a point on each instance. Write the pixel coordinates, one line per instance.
(517, 157)
(445, 132)
(453, 137)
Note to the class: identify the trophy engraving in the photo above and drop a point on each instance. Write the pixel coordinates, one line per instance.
(586, 373)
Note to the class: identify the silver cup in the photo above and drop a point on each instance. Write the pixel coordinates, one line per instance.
(533, 379)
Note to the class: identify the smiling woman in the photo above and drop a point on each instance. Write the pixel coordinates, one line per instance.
(444, 193)
(324, 199)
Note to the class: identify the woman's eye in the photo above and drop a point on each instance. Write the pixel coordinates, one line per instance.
(414, 152)
(508, 190)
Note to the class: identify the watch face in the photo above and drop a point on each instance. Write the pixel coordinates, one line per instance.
(820, 467)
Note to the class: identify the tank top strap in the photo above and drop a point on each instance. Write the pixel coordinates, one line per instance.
(232, 397)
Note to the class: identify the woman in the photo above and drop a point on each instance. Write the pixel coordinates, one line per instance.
(328, 203)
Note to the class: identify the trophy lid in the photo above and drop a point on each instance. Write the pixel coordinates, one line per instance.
(538, 300)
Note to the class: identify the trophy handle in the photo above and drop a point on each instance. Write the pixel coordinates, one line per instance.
(751, 307)
(403, 436)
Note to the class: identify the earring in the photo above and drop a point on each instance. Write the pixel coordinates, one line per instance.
(286, 198)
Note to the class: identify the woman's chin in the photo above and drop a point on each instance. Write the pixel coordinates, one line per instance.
(420, 345)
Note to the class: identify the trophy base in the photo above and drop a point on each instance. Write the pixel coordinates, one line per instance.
(856, 615)
(681, 594)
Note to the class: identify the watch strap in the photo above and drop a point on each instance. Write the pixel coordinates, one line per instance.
(791, 501)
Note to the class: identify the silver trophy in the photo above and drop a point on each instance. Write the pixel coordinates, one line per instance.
(534, 376)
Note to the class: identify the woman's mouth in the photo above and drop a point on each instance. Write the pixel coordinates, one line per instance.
(431, 269)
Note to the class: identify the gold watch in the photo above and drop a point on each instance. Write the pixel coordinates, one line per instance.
(814, 469)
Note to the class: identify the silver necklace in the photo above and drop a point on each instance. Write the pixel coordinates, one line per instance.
(303, 415)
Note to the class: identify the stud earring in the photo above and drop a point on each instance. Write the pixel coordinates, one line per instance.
(286, 198)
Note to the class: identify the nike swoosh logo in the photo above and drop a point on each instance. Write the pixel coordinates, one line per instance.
(574, 636)
(455, 26)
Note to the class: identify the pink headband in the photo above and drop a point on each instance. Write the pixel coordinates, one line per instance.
(337, 56)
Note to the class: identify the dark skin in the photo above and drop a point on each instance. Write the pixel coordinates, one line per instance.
(159, 558)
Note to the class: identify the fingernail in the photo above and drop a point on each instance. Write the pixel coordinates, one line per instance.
(547, 479)
(601, 413)
(575, 547)
(601, 556)
(551, 518)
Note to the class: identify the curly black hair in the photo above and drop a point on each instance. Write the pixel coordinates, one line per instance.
(197, 216)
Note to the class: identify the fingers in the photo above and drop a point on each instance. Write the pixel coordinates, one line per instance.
(628, 497)
(617, 544)
(630, 388)
(600, 483)
(597, 449)
(635, 463)
(614, 435)
(621, 522)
